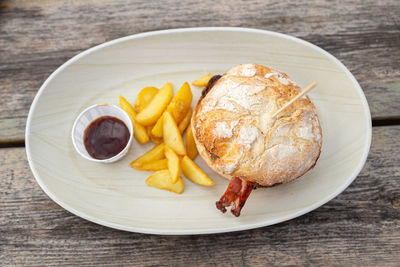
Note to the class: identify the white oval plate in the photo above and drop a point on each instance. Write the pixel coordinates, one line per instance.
(115, 195)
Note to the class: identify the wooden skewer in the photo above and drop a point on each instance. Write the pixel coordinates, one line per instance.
(305, 91)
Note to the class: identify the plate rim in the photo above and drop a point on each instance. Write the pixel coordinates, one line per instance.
(117, 226)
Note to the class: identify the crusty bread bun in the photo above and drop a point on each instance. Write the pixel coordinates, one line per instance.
(236, 136)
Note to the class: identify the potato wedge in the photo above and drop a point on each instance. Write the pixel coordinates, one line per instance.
(185, 121)
(154, 154)
(161, 164)
(180, 104)
(150, 114)
(148, 130)
(139, 131)
(174, 165)
(157, 130)
(178, 108)
(161, 180)
(144, 97)
(172, 136)
(194, 173)
(191, 147)
(202, 81)
(155, 140)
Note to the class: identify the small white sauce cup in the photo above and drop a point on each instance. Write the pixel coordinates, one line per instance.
(88, 116)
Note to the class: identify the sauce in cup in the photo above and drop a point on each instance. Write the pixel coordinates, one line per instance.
(105, 137)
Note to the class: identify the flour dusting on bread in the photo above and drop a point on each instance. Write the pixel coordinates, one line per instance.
(280, 77)
(224, 129)
(247, 135)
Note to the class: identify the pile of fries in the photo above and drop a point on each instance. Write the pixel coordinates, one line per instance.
(159, 116)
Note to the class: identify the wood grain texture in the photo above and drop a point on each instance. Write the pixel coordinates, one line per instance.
(359, 227)
(38, 36)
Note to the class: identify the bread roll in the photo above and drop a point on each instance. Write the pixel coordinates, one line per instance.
(236, 136)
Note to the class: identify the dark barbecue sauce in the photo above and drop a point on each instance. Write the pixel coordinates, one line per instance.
(106, 137)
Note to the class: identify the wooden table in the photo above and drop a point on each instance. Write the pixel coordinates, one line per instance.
(359, 227)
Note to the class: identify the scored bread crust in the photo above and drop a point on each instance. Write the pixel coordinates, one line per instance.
(236, 136)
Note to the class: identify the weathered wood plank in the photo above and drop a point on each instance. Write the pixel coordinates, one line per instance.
(359, 227)
(38, 36)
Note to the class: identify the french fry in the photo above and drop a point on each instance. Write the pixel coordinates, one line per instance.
(161, 180)
(191, 144)
(174, 165)
(157, 165)
(144, 97)
(178, 108)
(172, 136)
(152, 112)
(202, 81)
(185, 121)
(139, 131)
(154, 154)
(194, 173)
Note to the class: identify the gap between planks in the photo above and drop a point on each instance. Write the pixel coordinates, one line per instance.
(380, 122)
(14, 143)
(388, 121)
